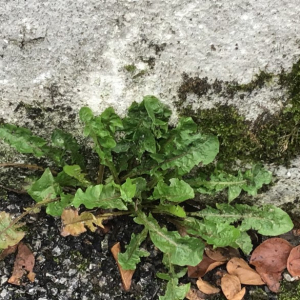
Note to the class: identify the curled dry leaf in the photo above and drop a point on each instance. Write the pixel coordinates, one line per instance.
(270, 259)
(221, 254)
(8, 251)
(71, 223)
(230, 285)
(240, 268)
(24, 263)
(74, 224)
(194, 294)
(126, 275)
(293, 263)
(206, 288)
(203, 267)
(240, 295)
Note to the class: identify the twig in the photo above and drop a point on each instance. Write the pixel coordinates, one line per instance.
(13, 190)
(25, 166)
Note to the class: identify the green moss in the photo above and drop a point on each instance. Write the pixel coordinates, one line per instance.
(271, 138)
(130, 68)
(289, 291)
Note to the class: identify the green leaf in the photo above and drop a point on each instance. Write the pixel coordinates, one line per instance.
(244, 242)
(174, 210)
(175, 292)
(75, 171)
(204, 149)
(128, 190)
(267, 220)
(102, 196)
(9, 235)
(256, 177)
(86, 114)
(56, 208)
(140, 184)
(45, 187)
(66, 141)
(63, 179)
(23, 140)
(183, 250)
(177, 191)
(218, 181)
(131, 257)
(218, 234)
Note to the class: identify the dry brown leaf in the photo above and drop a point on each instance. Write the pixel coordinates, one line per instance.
(230, 285)
(74, 224)
(194, 294)
(221, 254)
(240, 268)
(271, 279)
(293, 263)
(203, 267)
(270, 259)
(8, 251)
(24, 263)
(240, 295)
(206, 288)
(126, 275)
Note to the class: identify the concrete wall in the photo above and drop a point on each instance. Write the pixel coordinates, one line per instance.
(62, 54)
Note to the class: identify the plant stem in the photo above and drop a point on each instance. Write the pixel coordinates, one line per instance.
(113, 171)
(100, 174)
(28, 211)
(25, 166)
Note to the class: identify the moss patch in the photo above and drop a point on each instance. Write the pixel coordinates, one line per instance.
(289, 291)
(271, 138)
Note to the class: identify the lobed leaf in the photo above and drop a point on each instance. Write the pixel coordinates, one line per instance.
(177, 191)
(128, 190)
(267, 220)
(67, 142)
(218, 234)
(23, 140)
(45, 187)
(182, 250)
(174, 291)
(131, 257)
(74, 224)
(76, 172)
(203, 150)
(102, 196)
(56, 208)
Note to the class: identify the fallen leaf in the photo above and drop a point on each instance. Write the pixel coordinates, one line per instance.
(270, 259)
(293, 263)
(126, 275)
(8, 251)
(74, 224)
(221, 254)
(194, 294)
(240, 295)
(206, 288)
(240, 268)
(230, 285)
(24, 263)
(10, 234)
(203, 267)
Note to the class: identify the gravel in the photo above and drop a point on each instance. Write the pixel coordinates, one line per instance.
(77, 267)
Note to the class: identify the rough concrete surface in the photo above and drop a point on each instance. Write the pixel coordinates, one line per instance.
(66, 54)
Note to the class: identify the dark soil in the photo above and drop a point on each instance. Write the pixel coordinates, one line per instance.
(77, 267)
